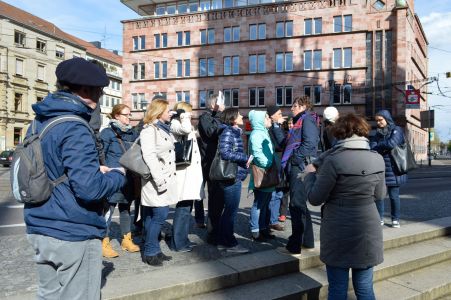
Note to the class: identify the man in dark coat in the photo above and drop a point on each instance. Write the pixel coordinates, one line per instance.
(387, 137)
(209, 129)
(66, 231)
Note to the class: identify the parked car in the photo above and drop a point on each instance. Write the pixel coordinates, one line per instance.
(6, 157)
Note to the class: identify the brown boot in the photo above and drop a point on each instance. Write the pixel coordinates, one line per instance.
(128, 245)
(107, 250)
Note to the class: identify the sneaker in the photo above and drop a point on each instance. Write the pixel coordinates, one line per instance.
(395, 224)
(221, 247)
(382, 222)
(277, 227)
(282, 218)
(237, 249)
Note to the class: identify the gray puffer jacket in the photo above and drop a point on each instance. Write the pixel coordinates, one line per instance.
(348, 182)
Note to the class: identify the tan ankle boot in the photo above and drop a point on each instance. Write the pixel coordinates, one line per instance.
(128, 245)
(107, 250)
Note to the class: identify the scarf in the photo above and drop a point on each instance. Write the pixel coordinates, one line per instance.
(115, 124)
(163, 126)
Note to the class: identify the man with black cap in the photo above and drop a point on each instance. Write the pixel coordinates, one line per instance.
(277, 135)
(66, 230)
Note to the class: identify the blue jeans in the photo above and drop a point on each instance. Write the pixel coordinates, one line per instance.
(67, 270)
(274, 206)
(259, 216)
(154, 217)
(232, 195)
(362, 281)
(395, 203)
(181, 224)
(301, 221)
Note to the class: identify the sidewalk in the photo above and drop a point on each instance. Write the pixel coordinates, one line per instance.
(18, 273)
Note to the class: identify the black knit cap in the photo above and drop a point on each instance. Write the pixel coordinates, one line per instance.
(79, 71)
(272, 110)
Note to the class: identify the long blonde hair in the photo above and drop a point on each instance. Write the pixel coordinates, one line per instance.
(155, 110)
(183, 105)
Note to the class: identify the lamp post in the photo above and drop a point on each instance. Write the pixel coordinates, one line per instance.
(430, 114)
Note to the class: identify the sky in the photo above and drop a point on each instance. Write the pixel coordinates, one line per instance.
(99, 20)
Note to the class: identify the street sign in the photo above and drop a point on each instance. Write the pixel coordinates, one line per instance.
(427, 119)
(413, 99)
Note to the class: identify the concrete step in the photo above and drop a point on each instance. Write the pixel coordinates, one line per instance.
(432, 282)
(312, 283)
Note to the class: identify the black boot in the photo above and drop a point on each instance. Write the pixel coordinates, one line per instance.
(164, 257)
(153, 260)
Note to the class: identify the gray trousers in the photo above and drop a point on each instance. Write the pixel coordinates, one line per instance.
(67, 270)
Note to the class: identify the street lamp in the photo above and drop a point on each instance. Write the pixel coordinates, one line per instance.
(430, 113)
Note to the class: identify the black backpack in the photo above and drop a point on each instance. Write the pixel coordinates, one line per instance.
(29, 181)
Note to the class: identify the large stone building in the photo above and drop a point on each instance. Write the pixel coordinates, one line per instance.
(30, 50)
(358, 55)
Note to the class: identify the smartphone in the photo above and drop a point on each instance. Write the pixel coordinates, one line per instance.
(251, 158)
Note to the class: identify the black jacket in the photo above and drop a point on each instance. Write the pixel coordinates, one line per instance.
(209, 129)
(277, 135)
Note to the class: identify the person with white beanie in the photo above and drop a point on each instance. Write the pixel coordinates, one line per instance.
(330, 115)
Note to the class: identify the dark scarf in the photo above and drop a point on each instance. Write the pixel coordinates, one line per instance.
(163, 126)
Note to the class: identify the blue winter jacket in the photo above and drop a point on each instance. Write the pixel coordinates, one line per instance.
(383, 144)
(231, 148)
(74, 210)
(310, 140)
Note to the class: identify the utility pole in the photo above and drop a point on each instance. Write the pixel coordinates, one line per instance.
(429, 137)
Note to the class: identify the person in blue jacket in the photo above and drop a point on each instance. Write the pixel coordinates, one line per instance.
(116, 139)
(387, 137)
(66, 230)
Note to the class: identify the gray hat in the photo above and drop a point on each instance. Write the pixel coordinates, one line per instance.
(79, 71)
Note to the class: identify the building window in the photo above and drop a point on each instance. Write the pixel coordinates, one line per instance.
(183, 38)
(257, 96)
(41, 46)
(139, 71)
(379, 5)
(139, 42)
(261, 31)
(204, 5)
(308, 60)
(284, 95)
(253, 32)
(160, 10)
(187, 68)
(314, 93)
(231, 97)
(182, 96)
(228, 3)
(347, 93)
(284, 62)
(179, 68)
(211, 66)
(203, 95)
(157, 41)
(180, 38)
(164, 37)
(227, 65)
(18, 98)
(193, 5)
(17, 136)
(41, 73)
(182, 7)
(19, 38)
(59, 52)
(202, 67)
(216, 4)
(164, 69)
(342, 58)
(337, 94)
(187, 38)
(235, 65)
(211, 36)
(312, 61)
(134, 101)
(313, 26)
(257, 63)
(338, 23)
(227, 34)
(156, 70)
(39, 99)
(171, 8)
(284, 29)
(19, 67)
(236, 33)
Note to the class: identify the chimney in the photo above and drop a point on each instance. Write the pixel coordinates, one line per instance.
(97, 44)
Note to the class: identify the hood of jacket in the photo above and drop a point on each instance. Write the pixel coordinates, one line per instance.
(387, 116)
(354, 142)
(61, 103)
(257, 119)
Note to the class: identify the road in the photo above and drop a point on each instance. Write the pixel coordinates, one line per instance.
(422, 182)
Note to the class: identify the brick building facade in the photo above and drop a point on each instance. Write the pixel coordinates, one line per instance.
(354, 54)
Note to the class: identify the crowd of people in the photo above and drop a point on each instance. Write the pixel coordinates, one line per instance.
(333, 163)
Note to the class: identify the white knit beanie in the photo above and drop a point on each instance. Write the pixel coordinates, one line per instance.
(330, 114)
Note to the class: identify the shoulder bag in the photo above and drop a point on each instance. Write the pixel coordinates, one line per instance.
(222, 170)
(403, 159)
(265, 178)
(183, 151)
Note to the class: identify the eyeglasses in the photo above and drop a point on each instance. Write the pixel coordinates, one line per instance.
(126, 115)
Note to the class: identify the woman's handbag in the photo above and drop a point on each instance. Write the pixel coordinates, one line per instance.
(133, 161)
(265, 178)
(183, 151)
(222, 170)
(403, 159)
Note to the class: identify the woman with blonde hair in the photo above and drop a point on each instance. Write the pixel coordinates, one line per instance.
(157, 144)
(116, 139)
(189, 179)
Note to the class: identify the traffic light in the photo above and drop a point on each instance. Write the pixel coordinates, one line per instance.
(448, 74)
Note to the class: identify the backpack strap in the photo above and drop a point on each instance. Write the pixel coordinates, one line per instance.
(58, 120)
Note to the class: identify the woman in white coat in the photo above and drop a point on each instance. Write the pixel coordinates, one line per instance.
(189, 179)
(157, 144)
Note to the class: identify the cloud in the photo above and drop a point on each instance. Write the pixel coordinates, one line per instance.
(435, 25)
